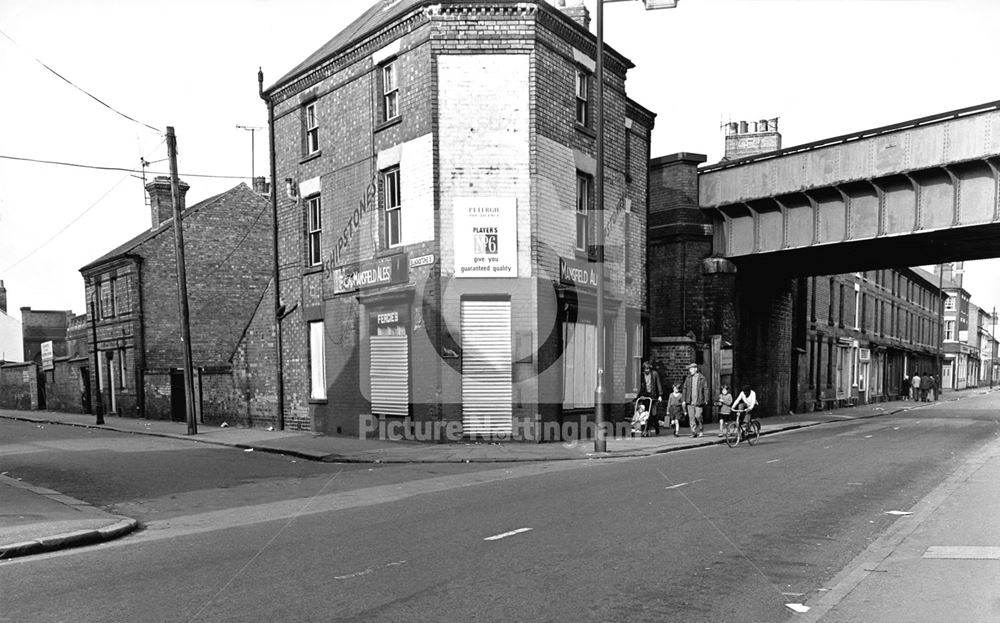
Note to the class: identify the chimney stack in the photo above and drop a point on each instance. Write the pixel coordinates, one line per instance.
(161, 203)
(260, 185)
(3, 297)
(745, 139)
(575, 10)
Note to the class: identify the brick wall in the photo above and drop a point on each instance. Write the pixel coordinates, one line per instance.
(19, 386)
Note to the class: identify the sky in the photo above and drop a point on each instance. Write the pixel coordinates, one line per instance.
(825, 67)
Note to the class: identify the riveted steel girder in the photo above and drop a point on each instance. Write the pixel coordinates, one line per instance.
(932, 178)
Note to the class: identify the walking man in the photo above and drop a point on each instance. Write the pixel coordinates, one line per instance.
(695, 397)
(915, 383)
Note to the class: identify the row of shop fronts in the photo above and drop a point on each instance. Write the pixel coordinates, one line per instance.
(500, 357)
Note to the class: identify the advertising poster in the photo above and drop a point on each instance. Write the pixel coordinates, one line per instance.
(485, 237)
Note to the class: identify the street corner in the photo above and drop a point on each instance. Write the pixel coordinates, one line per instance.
(38, 520)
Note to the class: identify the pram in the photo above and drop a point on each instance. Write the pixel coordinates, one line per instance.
(640, 414)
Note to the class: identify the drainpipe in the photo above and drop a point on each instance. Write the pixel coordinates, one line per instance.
(280, 386)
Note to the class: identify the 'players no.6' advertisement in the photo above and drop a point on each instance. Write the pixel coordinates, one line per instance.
(485, 237)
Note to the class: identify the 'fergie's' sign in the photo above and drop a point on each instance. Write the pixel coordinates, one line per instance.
(577, 273)
(381, 272)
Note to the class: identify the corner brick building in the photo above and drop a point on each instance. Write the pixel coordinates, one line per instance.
(131, 297)
(434, 167)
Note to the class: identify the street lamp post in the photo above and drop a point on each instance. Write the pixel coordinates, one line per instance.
(600, 439)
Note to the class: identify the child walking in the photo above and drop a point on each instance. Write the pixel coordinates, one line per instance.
(725, 402)
(675, 409)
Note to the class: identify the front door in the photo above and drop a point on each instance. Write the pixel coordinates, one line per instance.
(178, 411)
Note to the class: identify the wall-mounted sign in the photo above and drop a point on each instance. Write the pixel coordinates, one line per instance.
(726, 361)
(47, 360)
(387, 318)
(485, 236)
(381, 272)
(423, 260)
(577, 273)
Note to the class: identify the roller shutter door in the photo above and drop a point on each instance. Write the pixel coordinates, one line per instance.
(486, 368)
(390, 374)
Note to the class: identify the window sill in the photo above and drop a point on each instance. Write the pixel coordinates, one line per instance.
(312, 270)
(312, 156)
(582, 129)
(318, 401)
(388, 124)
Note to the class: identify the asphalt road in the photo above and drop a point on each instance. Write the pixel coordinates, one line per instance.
(711, 534)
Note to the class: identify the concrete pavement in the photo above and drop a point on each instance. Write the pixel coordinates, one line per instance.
(36, 520)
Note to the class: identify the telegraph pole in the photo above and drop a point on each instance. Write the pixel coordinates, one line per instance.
(192, 425)
(99, 400)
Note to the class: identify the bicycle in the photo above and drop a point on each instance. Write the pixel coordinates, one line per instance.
(740, 428)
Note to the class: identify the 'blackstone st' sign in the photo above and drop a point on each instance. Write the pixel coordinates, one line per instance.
(381, 272)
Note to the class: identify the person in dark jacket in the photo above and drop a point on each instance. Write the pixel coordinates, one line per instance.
(926, 382)
(649, 385)
(695, 397)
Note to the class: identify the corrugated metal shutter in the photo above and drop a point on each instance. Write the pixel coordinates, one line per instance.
(390, 374)
(486, 367)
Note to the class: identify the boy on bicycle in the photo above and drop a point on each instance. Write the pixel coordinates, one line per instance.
(745, 403)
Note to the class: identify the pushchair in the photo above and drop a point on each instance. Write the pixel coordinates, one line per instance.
(640, 414)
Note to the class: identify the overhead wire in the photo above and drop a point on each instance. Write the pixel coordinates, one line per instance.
(75, 219)
(79, 88)
(65, 227)
(121, 169)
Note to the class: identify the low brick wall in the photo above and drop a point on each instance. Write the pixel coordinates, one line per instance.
(19, 386)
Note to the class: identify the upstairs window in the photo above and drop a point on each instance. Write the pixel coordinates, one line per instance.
(312, 129)
(582, 97)
(949, 304)
(314, 229)
(391, 200)
(582, 211)
(390, 92)
(108, 299)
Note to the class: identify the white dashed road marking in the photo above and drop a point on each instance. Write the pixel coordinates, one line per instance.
(497, 537)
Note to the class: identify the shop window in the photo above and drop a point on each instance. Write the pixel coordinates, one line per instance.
(583, 193)
(314, 230)
(390, 91)
(392, 207)
(582, 97)
(311, 129)
(317, 361)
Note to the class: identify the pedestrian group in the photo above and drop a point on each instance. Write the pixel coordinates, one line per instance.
(689, 399)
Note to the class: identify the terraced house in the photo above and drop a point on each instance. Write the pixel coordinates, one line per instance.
(434, 203)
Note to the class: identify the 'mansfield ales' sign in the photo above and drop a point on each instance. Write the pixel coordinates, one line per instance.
(381, 272)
